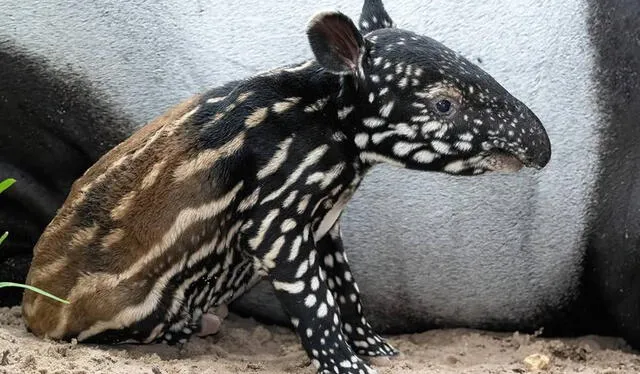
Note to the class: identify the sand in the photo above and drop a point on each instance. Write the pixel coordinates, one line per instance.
(244, 346)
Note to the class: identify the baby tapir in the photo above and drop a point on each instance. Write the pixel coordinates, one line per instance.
(249, 181)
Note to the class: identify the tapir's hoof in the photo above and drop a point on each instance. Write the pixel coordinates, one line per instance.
(212, 321)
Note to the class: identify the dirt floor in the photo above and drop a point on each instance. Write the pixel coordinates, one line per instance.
(244, 346)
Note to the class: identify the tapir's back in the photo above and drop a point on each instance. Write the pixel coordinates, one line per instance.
(102, 251)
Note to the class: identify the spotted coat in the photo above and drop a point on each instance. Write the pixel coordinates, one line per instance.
(249, 180)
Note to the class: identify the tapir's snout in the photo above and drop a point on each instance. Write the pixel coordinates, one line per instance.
(537, 150)
(520, 141)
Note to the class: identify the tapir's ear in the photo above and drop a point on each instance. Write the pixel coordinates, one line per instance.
(335, 41)
(374, 17)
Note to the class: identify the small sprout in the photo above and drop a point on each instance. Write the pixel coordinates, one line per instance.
(34, 289)
(6, 184)
(3, 186)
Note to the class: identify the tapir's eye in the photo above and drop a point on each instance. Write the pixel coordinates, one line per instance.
(443, 106)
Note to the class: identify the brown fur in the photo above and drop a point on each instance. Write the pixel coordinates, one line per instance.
(127, 224)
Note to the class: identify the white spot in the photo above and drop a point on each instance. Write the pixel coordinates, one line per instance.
(463, 146)
(403, 82)
(431, 126)
(328, 260)
(402, 149)
(467, 137)
(405, 130)
(330, 300)
(309, 333)
(424, 118)
(371, 97)
(310, 300)
(303, 203)
(365, 24)
(384, 90)
(373, 122)
(322, 310)
(377, 61)
(315, 283)
(380, 136)
(288, 225)
(347, 276)
(361, 140)
(440, 147)
(312, 257)
(424, 157)
(386, 109)
(302, 269)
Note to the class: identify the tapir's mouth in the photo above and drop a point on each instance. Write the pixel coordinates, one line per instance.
(499, 160)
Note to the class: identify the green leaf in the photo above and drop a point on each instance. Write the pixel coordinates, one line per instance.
(34, 289)
(4, 236)
(6, 184)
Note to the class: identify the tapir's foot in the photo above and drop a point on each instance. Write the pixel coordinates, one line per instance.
(211, 321)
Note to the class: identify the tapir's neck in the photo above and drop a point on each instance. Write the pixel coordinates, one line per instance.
(345, 106)
(332, 101)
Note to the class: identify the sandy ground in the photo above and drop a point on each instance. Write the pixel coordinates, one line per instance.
(243, 346)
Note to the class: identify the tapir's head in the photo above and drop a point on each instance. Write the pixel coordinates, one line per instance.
(419, 104)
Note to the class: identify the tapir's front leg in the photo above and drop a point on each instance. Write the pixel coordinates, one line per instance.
(296, 275)
(343, 286)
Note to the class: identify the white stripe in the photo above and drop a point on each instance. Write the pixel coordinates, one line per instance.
(309, 160)
(292, 288)
(277, 160)
(183, 221)
(264, 226)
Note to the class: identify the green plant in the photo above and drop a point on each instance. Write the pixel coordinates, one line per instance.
(3, 186)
